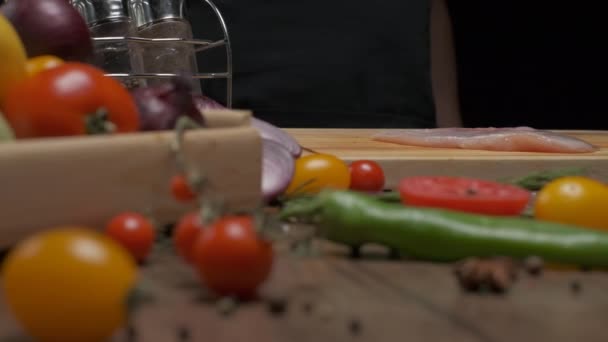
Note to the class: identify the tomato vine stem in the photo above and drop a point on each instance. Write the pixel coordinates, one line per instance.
(99, 123)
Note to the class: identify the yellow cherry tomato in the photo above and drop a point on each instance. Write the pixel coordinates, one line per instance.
(574, 200)
(319, 171)
(12, 57)
(41, 63)
(68, 284)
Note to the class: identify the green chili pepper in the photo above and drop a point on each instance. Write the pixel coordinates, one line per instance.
(439, 235)
(389, 196)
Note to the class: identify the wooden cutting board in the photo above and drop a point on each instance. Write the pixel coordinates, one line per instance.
(400, 160)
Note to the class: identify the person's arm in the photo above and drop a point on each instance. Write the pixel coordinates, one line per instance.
(443, 67)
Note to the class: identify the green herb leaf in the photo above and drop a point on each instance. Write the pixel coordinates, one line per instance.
(537, 180)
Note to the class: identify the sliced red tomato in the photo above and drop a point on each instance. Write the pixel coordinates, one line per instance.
(464, 194)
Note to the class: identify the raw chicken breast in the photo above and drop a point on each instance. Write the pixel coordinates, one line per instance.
(515, 139)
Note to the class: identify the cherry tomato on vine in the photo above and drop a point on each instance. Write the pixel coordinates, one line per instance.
(68, 284)
(574, 200)
(180, 189)
(70, 99)
(134, 232)
(231, 258)
(185, 234)
(37, 64)
(366, 175)
(319, 171)
(464, 194)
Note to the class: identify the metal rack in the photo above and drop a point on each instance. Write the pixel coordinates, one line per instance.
(199, 46)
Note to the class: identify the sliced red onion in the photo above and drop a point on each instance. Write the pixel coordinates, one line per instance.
(278, 167)
(271, 132)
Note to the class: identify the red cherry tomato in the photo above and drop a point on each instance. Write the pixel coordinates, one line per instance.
(366, 175)
(464, 194)
(134, 232)
(231, 258)
(180, 189)
(185, 234)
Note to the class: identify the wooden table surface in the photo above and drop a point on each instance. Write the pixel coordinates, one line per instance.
(333, 298)
(399, 160)
(384, 300)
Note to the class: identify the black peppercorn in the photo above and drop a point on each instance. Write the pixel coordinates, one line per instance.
(131, 333)
(354, 326)
(576, 287)
(277, 306)
(183, 334)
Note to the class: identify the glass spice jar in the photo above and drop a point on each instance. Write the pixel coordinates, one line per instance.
(110, 18)
(165, 19)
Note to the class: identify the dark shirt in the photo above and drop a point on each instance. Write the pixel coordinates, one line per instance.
(535, 63)
(320, 63)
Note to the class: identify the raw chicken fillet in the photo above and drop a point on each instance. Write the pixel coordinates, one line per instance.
(514, 139)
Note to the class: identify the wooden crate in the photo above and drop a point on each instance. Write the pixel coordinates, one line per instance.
(86, 180)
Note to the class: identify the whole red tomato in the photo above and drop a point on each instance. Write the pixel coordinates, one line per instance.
(71, 99)
(185, 234)
(134, 232)
(231, 258)
(366, 175)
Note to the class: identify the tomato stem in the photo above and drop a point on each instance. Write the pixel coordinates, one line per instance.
(299, 190)
(139, 295)
(261, 224)
(99, 123)
(227, 305)
(208, 214)
(310, 150)
(182, 124)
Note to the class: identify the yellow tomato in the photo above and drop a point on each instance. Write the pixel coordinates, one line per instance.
(574, 200)
(12, 57)
(68, 284)
(319, 171)
(41, 63)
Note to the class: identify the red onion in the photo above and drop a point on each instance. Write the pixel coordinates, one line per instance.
(278, 167)
(271, 132)
(161, 105)
(279, 151)
(266, 130)
(50, 27)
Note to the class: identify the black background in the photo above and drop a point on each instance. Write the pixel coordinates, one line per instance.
(534, 63)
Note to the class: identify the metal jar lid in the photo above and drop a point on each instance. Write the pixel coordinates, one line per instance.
(145, 12)
(95, 11)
